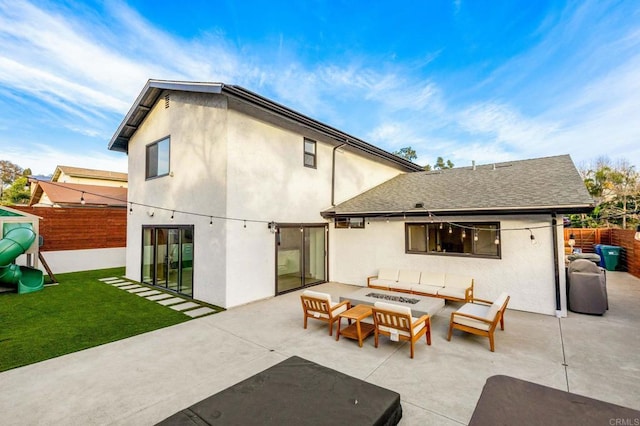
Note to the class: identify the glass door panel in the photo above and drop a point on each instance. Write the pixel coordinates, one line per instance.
(162, 257)
(289, 259)
(147, 255)
(167, 258)
(300, 256)
(314, 255)
(186, 262)
(173, 259)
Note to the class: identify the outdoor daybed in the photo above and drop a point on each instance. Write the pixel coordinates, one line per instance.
(458, 288)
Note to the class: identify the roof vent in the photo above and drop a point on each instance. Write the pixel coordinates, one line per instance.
(420, 205)
(166, 101)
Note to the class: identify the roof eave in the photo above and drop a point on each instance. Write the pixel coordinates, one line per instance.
(564, 209)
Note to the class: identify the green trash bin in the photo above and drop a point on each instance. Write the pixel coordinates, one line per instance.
(611, 257)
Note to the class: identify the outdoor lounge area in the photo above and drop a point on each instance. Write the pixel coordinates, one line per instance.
(147, 378)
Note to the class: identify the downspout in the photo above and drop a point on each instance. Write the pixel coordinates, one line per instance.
(554, 226)
(333, 173)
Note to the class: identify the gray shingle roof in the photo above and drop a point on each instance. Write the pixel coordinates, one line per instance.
(541, 184)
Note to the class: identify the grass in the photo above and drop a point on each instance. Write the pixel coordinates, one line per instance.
(78, 313)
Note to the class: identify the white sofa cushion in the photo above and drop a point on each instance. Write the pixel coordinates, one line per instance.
(475, 310)
(458, 281)
(327, 297)
(402, 286)
(382, 283)
(435, 279)
(388, 274)
(317, 295)
(409, 276)
(425, 289)
(496, 305)
(458, 293)
(401, 310)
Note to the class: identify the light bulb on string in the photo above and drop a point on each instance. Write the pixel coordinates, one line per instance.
(210, 221)
(497, 240)
(475, 235)
(450, 230)
(130, 208)
(172, 214)
(82, 198)
(464, 234)
(441, 225)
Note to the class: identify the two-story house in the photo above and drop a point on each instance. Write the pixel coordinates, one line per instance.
(226, 189)
(234, 198)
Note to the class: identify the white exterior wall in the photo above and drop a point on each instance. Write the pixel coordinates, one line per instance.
(197, 125)
(525, 271)
(63, 261)
(267, 181)
(229, 164)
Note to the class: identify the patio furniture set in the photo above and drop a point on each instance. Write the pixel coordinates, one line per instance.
(401, 316)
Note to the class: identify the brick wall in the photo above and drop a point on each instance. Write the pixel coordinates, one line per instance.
(80, 228)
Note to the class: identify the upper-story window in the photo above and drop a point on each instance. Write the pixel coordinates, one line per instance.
(158, 158)
(310, 153)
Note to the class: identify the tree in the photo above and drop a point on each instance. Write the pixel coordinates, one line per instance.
(18, 192)
(27, 172)
(407, 153)
(615, 189)
(9, 172)
(441, 165)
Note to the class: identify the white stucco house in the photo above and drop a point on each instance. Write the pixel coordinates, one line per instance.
(235, 198)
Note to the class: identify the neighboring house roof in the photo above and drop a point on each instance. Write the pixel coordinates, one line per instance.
(154, 89)
(528, 186)
(70, 194)
(88, 173)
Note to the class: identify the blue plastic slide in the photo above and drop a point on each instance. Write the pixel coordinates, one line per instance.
(17, 239)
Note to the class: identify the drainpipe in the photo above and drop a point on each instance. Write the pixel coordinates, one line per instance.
(554, 223)
(333, 173)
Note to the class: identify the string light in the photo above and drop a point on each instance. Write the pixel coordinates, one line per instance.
(464, 234)
(497, 240)
(450, 230)
(432, 217)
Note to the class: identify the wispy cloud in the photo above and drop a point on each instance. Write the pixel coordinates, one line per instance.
(574, 89)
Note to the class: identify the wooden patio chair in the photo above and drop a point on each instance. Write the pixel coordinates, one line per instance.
(319, 306)
(480, 317)
(397, 323)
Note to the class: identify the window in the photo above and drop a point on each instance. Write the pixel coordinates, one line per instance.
(158, 159)
(349, 222)
(309, 153)
(470, 239)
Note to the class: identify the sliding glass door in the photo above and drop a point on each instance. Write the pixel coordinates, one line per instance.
(301, 256)
(167, 258)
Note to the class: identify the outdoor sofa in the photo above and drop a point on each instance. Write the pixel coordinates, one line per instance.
(454, 287)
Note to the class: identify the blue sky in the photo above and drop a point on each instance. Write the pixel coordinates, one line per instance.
(466, 80)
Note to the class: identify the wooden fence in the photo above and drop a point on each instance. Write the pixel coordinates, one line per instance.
(587, 238)
(80, 228)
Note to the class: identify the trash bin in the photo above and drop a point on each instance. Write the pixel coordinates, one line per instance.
(610, 256)
(598, 250)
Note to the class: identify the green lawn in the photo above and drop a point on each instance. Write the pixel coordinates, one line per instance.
(79, 313)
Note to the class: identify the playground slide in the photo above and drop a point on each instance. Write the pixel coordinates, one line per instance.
(17, 239)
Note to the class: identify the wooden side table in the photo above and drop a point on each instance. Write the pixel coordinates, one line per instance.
(358, 330)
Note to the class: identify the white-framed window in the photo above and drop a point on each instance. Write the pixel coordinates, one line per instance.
(310, 158)
(157, 158)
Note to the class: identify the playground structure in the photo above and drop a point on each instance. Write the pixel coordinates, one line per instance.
(19, 232)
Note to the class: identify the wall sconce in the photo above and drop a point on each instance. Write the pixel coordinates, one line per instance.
(272, 227)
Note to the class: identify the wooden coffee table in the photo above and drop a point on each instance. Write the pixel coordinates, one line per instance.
(358, 330)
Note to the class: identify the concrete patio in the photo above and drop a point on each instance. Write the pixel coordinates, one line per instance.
(144, 379)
